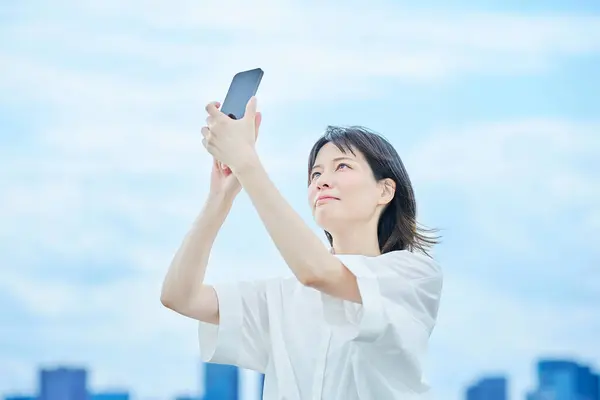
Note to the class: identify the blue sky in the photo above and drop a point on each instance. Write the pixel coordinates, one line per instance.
(494, 108)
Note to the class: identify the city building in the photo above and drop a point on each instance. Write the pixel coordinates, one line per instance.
(20, 397)
(221, 382)
(565, 380)
(63, 384)
(488, 388)
(261, 385)
(110, 396)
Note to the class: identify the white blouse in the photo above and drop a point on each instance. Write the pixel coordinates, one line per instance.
(313, 346)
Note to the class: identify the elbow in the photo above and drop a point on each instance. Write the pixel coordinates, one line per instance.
(308, 276)
(175, 300)
(308, 280)
(167, 300)
(318, 276)
(311, 279)
(171, 304)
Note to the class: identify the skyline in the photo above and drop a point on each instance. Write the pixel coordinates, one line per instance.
(480, 387)
(492, 106)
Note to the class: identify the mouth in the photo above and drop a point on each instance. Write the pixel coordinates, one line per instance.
(325, 199)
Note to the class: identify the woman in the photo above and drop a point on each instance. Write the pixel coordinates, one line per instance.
(355, 321)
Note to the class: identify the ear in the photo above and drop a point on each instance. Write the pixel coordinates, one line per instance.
(388, 190)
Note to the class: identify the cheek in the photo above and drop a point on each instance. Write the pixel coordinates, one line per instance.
(312, 191)
(352, 184)
(359, 190)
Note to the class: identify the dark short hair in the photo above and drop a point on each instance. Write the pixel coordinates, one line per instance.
(397, 228)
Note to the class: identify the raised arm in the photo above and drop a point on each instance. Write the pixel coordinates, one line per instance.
(232, 142)
(183, 288)
(304, 253)
(233, 317)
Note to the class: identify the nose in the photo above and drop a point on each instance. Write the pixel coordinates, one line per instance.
(323, 181)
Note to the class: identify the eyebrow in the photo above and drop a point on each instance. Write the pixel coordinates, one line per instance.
(334, 160)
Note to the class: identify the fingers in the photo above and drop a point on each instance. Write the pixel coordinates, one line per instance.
(218, 164)
(205, 132)
(212, 109)
(226, 170)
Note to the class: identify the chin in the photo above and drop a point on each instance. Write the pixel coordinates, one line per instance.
(329, 220)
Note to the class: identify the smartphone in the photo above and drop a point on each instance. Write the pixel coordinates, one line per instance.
(243, 86)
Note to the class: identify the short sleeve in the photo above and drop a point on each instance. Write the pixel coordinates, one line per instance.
(241, 337)
(400, 294)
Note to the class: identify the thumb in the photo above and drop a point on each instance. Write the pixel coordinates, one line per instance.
(257, 121)
(251, 108)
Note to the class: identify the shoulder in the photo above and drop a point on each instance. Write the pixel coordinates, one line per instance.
(417, 265)
(409, 265)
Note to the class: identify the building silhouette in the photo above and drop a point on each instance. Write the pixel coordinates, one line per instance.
(20, 398)
(261, 385)
(63, 384)
(565, 380)
(556, 379)
(221, 382)
(110, 396)
(488, 388)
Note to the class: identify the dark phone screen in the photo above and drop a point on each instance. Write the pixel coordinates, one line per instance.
(243, 86)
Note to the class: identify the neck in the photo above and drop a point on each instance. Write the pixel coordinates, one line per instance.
(356, 241)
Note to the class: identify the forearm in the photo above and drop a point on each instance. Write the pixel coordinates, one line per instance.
(188, 267)
(301, 249)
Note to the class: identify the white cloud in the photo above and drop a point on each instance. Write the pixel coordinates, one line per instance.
(307, 53)
(332, 22)
(118, 329)
(513, 175)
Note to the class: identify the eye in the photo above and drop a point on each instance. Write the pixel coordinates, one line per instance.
(340, 165)
(314, 175)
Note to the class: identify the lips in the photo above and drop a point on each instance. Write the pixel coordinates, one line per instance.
(325, 198)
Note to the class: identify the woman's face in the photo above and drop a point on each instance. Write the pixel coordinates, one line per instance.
(342, 190)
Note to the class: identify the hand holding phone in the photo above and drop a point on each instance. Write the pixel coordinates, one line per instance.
(243, 86)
